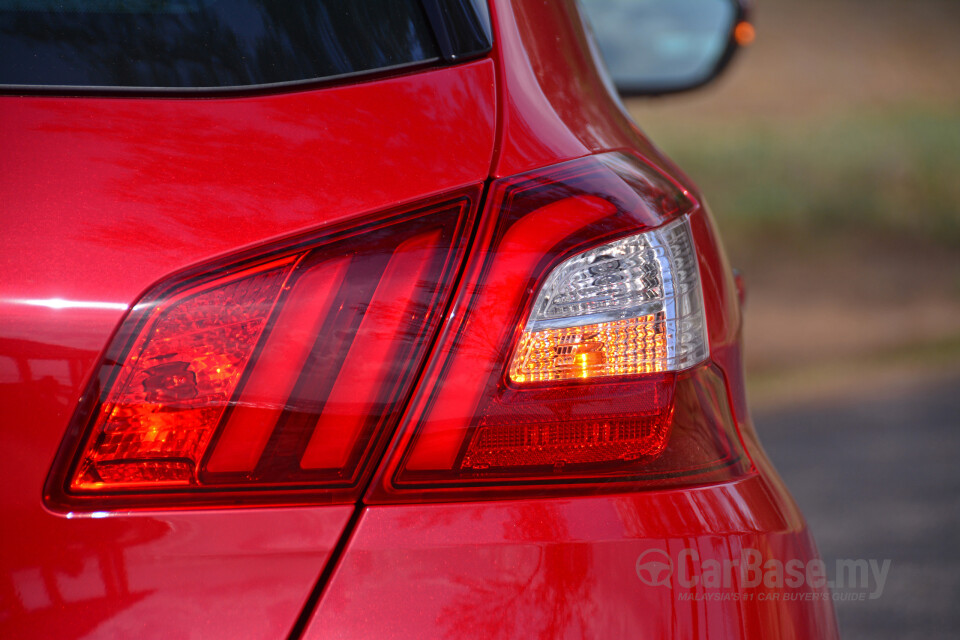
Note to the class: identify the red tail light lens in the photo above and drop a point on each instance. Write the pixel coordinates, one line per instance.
(274, 372)
(576, 352)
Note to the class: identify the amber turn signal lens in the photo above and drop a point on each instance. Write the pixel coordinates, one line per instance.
(622, 347)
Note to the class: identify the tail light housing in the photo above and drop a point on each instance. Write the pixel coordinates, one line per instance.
(573, 356)
(576, 354)
(274, 375)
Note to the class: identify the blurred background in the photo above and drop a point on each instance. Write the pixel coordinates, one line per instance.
(830, 155)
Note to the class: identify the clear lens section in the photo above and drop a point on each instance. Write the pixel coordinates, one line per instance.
(631, 306)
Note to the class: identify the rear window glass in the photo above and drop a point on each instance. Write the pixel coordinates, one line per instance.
(179, 44)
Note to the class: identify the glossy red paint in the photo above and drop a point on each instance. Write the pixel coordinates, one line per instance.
(554, 105)
(102, 198)
(108, 196)
(228, 573)
(568, 568)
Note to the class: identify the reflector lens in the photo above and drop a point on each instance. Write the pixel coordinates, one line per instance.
(577, 428)
(562, 443)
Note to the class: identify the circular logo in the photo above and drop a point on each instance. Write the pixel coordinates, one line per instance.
(654, 568)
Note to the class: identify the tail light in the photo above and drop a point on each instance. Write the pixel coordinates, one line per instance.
(576, 352)
(574, 357)
(276, 371)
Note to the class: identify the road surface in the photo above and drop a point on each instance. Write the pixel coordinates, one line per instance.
(878, 477)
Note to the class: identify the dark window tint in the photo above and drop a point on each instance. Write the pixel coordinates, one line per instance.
(205, 43)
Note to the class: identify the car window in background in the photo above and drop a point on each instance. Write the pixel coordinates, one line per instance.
(178, 44)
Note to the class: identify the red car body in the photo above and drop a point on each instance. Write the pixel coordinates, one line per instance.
(105, 196)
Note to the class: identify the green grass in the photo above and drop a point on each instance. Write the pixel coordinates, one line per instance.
(893, 171)
(822, 378)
